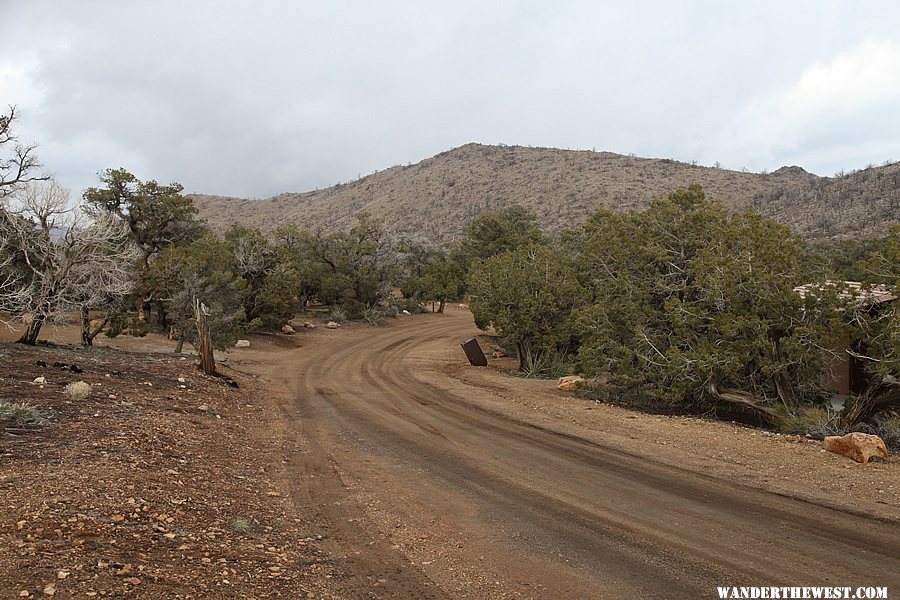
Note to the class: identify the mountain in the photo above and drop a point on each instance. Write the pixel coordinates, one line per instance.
(435, 199)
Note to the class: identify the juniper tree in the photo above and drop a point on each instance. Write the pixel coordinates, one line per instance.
(528, 294)
(690, 302)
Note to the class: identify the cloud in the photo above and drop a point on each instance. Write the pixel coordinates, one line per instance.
(253, 99)
(835, 112)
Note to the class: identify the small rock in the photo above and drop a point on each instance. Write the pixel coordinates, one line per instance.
(405, 312)
(133, 580)
(181, 380)
(463, 306)
(568, 383)
(288, 330)
(62, 574)
(24, 594)
(308, 325)
(40, 380)
(242, 344)
(50, 589)
(332, 325)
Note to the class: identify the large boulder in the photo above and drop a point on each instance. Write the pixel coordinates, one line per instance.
(569, 383)
(859, 446)
(242, 344)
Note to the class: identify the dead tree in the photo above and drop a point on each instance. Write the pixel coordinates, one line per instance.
(204, 339)
(54, 259)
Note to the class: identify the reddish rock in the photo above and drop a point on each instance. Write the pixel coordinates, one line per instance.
(859, 446)
(568, 383)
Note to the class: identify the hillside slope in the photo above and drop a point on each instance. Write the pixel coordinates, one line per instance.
(436, 198)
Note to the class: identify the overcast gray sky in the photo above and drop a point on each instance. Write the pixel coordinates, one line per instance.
(257, 98)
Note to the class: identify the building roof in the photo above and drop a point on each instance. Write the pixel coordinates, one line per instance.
(863, 294)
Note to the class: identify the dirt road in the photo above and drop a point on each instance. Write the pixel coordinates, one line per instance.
(427, 487)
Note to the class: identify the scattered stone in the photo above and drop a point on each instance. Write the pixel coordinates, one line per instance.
(242, 344)
(182, 380)
(308, 325)
(332, 325)
(464, 306)
(405, 312)
(288, 330)
(62, 574)
(569, 383)
(40, 380)
(50, 589)
(861, 447)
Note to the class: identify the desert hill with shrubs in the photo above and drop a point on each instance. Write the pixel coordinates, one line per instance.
(435, 199)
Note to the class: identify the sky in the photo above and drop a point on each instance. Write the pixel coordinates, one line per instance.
(252, 99)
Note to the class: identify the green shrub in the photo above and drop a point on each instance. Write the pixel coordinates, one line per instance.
(372, 315)
(410, 305)
(336, 314)
(138, 327)
(545, 364)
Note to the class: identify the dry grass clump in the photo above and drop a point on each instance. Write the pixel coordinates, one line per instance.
(19, 414)
(78, 390)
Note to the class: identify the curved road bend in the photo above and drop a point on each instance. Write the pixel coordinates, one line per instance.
(512, 510)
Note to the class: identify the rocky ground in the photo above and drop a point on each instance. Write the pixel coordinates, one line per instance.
(325, 474)
(160, 483)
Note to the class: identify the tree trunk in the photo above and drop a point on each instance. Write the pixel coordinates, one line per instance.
(739, 397)
(86, 338)
(179, 345)
(441, 306)
(520, 350)
(31, 333)
(782, 381)
(162, 317)
(204, 340)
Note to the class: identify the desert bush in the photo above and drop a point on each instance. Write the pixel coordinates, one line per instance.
(138, 327)
(239, 525)
(545, 364)
(20, 414)
(373, 315)
(391, 311)
(78, 390)
(814, 421)
(336, 314)
(887, 426)
(410, 305)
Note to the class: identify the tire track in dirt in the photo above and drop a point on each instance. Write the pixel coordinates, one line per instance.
(562, 513)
